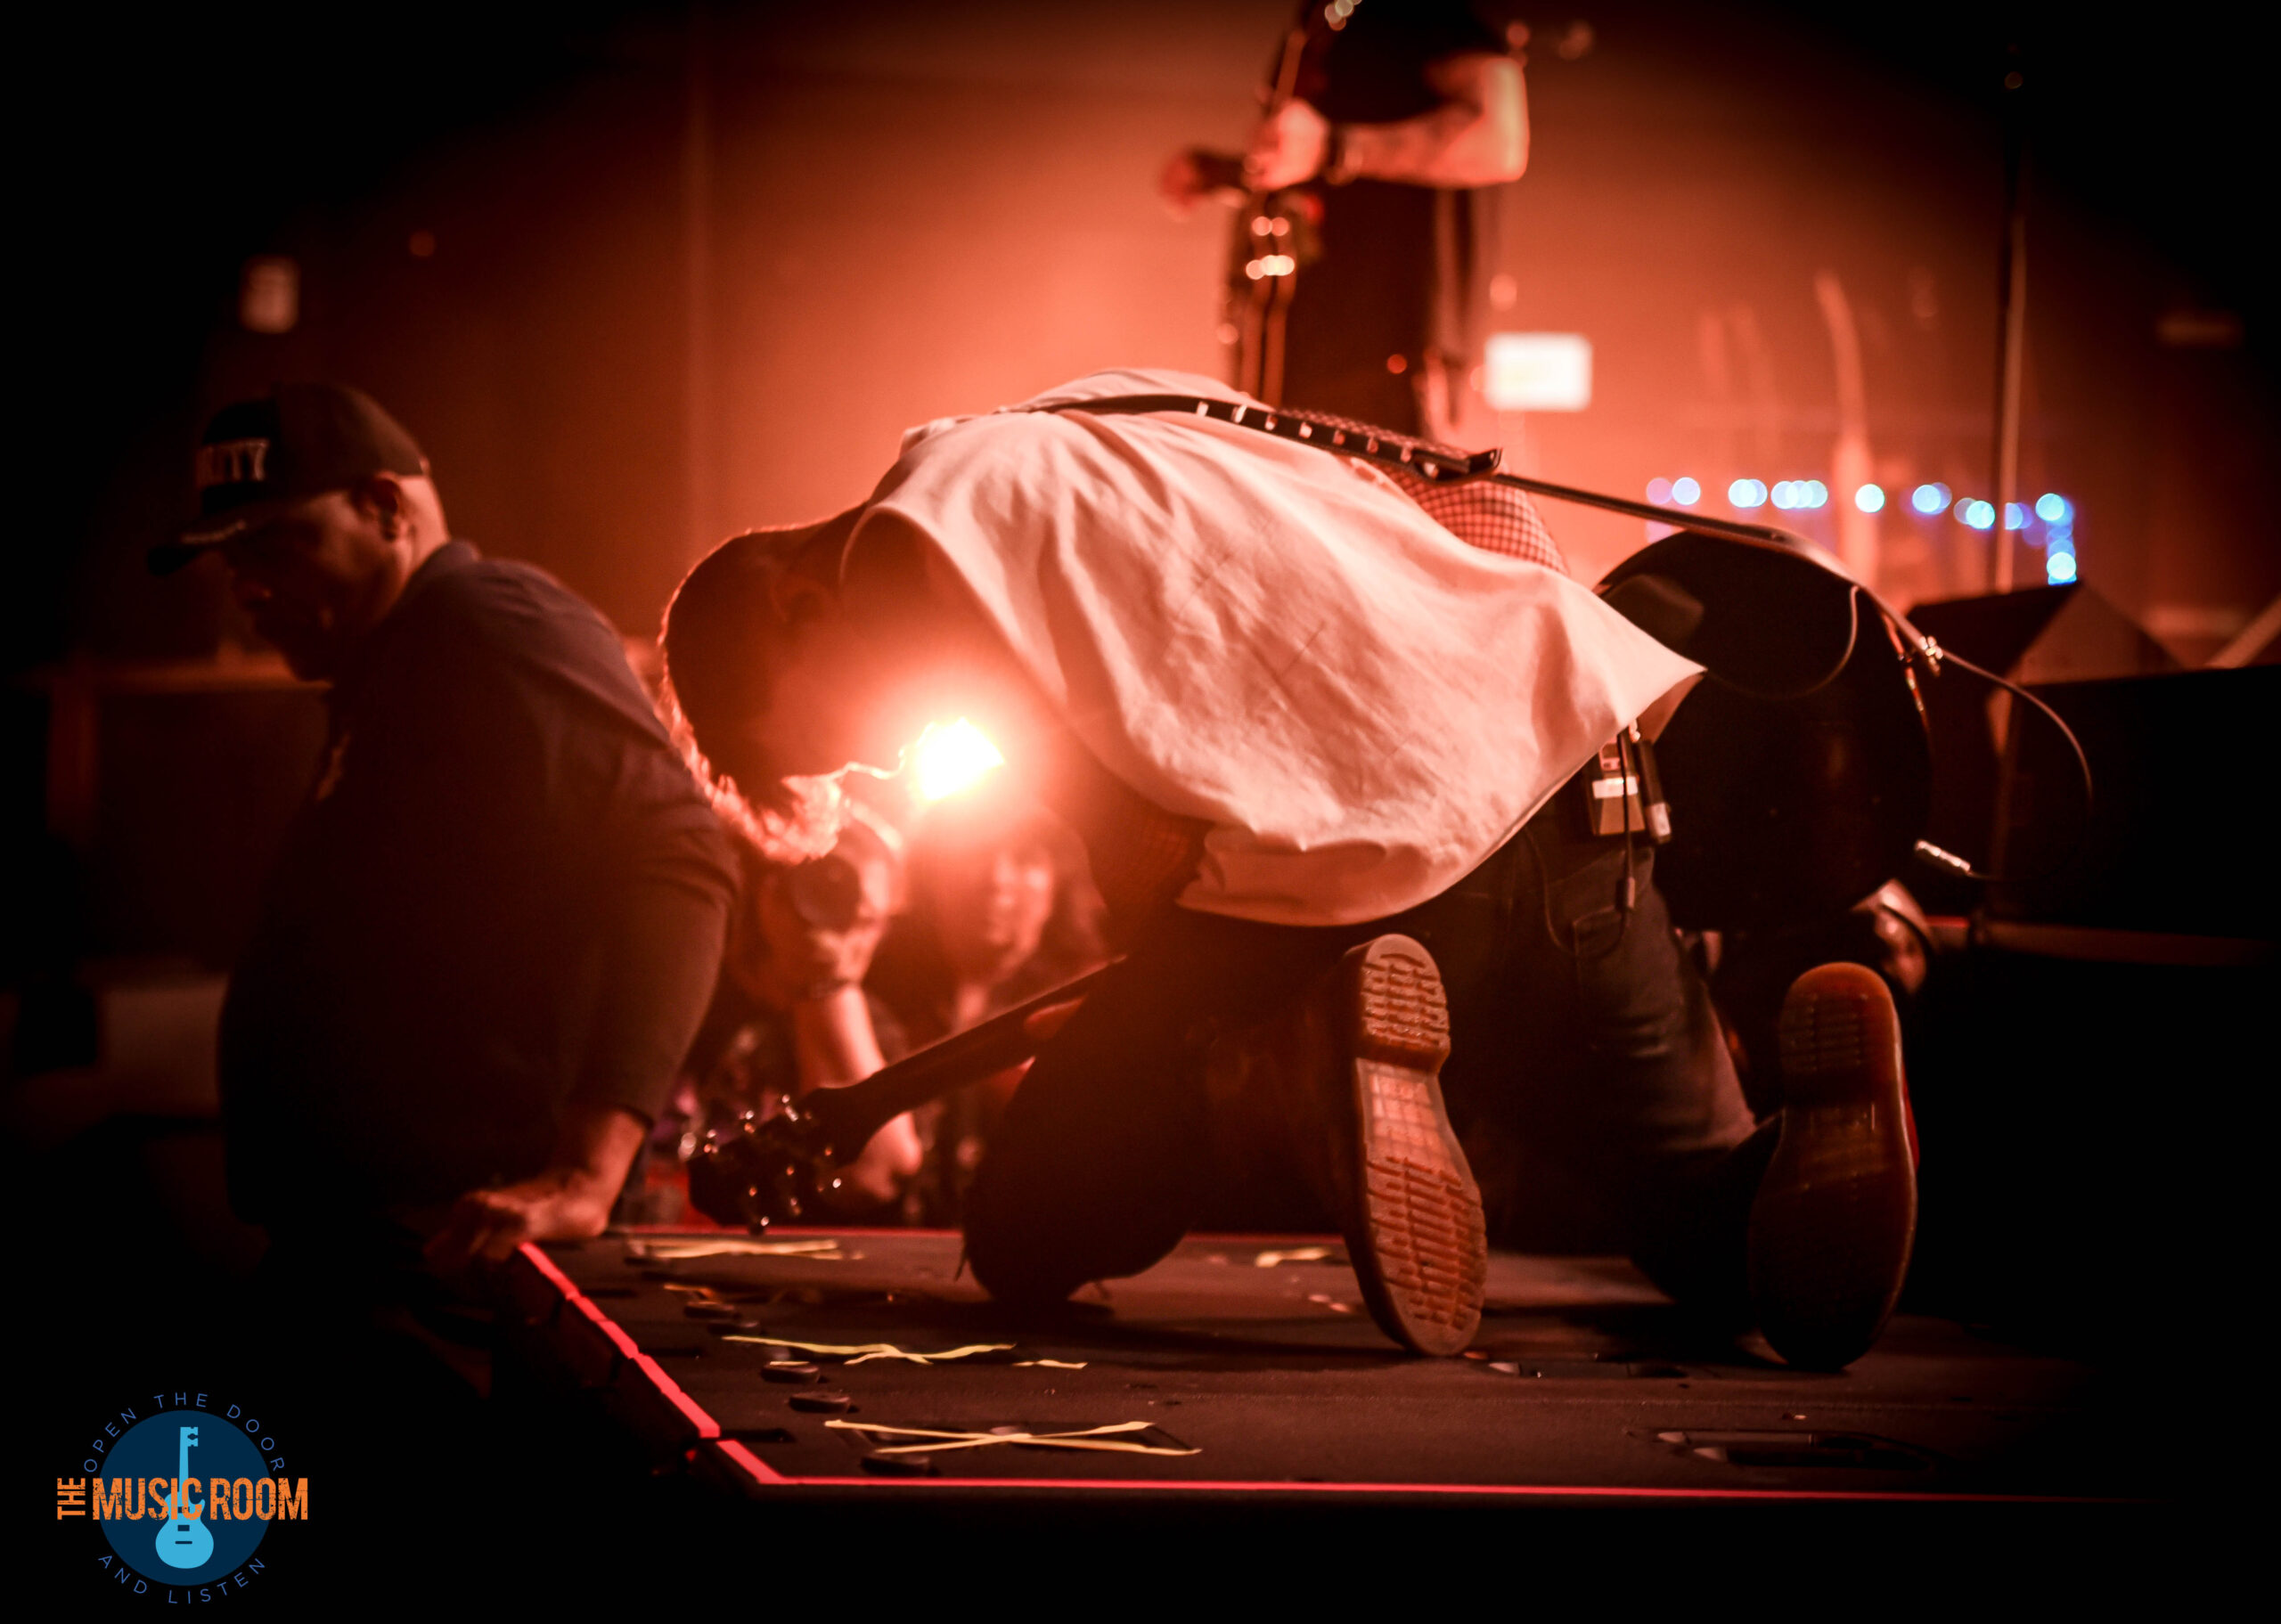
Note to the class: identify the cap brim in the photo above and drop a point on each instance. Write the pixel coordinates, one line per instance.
(201, 536)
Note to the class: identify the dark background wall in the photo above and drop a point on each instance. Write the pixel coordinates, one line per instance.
(638, 276)
(693, 268)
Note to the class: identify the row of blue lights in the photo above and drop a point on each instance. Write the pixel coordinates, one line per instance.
(2051, 508)
(2057, 512)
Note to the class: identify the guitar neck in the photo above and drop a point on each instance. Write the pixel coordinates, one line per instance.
(849, 1117)
(182, 1476)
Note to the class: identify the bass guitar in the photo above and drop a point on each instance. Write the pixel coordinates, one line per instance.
(760, 1170)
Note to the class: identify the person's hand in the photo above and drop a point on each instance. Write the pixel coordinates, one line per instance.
(888, 1161)
(559, 1205)
(570, 1200)
(1290, 146)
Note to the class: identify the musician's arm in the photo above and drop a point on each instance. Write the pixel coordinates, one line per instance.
(835, 1045)
(1478, 136)
(669, 923)
(660, 916)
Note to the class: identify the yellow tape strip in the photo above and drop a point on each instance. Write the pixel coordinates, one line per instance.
(678, 1252)
(1096, 1438)
(858, 1352)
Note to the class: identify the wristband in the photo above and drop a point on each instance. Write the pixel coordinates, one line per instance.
(1336, 171)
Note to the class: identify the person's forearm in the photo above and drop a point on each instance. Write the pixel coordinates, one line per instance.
(569, 1199)
(596, 1144)
(832, 1040)
(835, 1045)
(1479, 137)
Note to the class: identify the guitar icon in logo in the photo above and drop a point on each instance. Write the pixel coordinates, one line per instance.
(184, 1541)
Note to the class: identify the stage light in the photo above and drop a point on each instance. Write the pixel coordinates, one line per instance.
(1978, 514)
(949, 759)
(1930, 499)
(2016, 516)
(1659, 491)
(2058, 568)
(2053, 509)
(1685, 492)
(1817, 495)
(1747, 493)
(1785, 495)
(1869, 499)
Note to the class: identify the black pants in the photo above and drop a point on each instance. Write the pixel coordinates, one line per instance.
(1587, 1075)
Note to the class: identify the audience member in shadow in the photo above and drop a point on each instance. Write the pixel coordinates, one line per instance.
(791, 1014)
(1001, 909)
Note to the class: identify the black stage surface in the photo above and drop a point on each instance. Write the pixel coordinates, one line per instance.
(1253, 1358)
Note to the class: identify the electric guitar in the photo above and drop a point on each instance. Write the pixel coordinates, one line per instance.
(185, 1540)
(760, 1170)
(1275, 233)
(1262, 268)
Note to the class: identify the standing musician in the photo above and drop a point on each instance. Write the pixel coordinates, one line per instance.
(497, 920)
(1329, 764)
(1356, 231)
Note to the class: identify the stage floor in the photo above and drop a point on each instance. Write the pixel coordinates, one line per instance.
(1247, 1366)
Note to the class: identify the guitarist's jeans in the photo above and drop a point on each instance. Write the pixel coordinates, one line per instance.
(1587, 1075)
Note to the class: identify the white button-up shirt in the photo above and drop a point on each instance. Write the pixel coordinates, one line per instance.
(1273, 639)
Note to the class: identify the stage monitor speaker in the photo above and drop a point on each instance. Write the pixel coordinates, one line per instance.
(2174, 839)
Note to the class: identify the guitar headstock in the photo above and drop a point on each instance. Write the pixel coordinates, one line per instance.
(757, 1171)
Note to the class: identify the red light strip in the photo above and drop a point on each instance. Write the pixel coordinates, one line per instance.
(650, 1370)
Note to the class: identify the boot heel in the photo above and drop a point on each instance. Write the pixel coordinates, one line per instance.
(1835, 1219)
(1414, 1229)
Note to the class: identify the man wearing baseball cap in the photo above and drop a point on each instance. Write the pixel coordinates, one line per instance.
(498, 916)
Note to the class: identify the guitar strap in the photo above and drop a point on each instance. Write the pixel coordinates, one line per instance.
(1419, 459)
(1454, 488)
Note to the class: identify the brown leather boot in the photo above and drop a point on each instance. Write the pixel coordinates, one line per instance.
(1355, 1069)
(1835, 1216)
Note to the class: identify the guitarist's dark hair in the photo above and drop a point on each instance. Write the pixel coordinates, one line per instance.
(719, 641)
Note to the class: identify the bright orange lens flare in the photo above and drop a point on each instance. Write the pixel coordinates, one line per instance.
(948, 759)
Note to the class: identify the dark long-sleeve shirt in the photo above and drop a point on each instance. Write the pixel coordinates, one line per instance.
(505, 895)
(1395, 257)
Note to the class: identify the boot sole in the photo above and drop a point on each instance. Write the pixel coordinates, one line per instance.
(1835, 1217)
(1418, 1243)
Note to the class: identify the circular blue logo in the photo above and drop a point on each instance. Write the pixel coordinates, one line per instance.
(201, 1530)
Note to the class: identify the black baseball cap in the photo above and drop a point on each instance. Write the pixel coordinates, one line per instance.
(299, 440)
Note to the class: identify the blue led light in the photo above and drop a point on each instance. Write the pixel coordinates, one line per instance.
(1747, 493)
(2058, 568)
(1685, 492)
(1812, 494)
(1659, 490)
(1929, 499)
(1978, 514)
(1869, 499)
(2016, 516)
(1785, 495)
(2053, 509)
